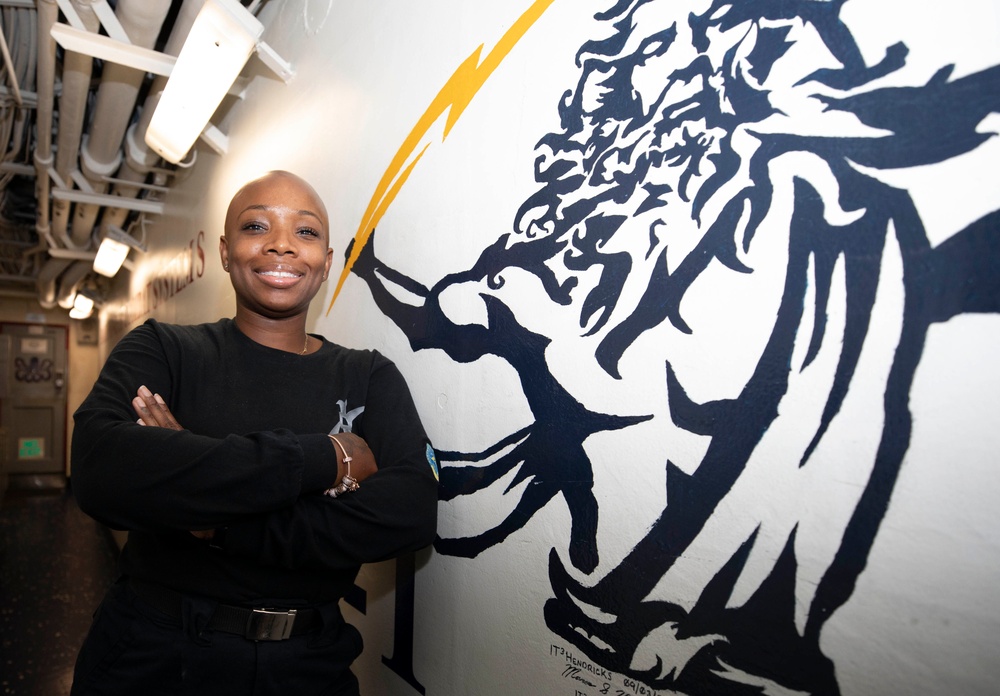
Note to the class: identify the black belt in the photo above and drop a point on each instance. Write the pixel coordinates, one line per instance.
(264, 623)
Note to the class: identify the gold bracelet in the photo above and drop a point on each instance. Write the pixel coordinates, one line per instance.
(348, 484)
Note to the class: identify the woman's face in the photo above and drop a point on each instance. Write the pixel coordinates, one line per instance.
(276, 245)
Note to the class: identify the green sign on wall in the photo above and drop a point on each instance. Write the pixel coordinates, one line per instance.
(30, 448)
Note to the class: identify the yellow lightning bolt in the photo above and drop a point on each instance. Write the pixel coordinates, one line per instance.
(456, 94)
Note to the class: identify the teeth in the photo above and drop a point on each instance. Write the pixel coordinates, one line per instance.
(280, 274)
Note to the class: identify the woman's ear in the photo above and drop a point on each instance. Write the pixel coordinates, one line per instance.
(224, 253)
(329, 262)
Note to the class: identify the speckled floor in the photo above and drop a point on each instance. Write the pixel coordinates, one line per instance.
(55, 564)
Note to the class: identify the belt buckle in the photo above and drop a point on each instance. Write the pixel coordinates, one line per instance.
(268, 624)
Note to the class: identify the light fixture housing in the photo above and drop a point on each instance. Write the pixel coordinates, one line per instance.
(83, 306)
(113, 250)
(222, 38)
(110, 257)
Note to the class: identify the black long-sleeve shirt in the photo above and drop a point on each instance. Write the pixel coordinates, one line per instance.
(253, 458)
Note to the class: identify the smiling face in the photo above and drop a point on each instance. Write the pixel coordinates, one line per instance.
(276, 246)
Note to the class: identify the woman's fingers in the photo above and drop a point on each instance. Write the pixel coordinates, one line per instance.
(152, 410)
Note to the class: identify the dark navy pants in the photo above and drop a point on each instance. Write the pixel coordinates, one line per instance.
(133, 648)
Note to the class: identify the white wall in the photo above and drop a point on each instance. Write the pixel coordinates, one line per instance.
(886, 516)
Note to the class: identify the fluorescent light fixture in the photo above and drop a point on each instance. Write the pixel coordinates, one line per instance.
(221, 40)
(83, 307)
(113, 250)
(110, 257)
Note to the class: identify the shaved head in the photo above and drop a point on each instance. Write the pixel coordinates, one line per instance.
(277, 183)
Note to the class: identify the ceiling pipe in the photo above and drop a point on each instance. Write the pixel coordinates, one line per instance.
(70, 280)
(30, 45)
(76, 74)
(140, 159)
(48, 13)
(101, 155)
(46, 282)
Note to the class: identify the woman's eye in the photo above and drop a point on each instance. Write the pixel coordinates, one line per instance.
(253, 226)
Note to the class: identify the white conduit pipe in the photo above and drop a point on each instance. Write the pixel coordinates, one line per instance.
(101, 154)
(134, 169)
(141, 20)
(29, 41)
(76, 73)
(139, 158)
(25, 21)
(72, 107)
(48, 13)
(70, 280)
(120, 85)
(46, 282)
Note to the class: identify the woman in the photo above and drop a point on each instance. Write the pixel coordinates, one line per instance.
(256, 468)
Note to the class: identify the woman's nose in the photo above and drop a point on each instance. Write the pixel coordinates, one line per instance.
(282, 241)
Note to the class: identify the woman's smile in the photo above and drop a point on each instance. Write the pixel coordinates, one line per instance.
(279, 276)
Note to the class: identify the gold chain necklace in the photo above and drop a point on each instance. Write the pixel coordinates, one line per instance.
(305, 346)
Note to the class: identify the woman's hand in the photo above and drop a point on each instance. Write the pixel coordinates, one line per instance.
(152, 410)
